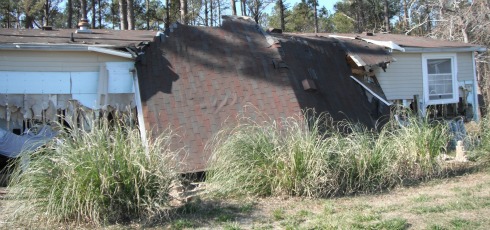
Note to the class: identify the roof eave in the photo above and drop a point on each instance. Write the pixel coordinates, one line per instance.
(111, 52)
(65, 47)
(444, 49)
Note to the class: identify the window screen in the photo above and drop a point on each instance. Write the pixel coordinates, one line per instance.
(440, 78)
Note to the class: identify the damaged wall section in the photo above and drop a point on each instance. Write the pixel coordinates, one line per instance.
(41, 96)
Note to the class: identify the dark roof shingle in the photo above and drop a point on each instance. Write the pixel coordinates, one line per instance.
(200, 78)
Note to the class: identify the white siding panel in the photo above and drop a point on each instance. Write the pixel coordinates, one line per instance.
(120, 77)
(465, 67)
(402, 78)
(50, 61)
(84, 82)
(34, 82)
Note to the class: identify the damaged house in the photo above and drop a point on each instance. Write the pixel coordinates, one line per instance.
(433, 77)
(45, 75)
(196, 80)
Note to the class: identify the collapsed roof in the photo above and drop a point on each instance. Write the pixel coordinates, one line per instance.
(197, 79)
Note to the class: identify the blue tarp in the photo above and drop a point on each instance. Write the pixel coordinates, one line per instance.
(12, 145)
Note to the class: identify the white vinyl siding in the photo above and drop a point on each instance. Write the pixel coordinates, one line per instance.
(465, 66)
(403, 78)
(54, 61)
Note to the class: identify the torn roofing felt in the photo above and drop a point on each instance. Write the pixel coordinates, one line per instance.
(197, 79)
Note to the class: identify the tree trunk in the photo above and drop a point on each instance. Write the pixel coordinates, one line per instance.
(123, 17)
(28, 19)
(429, 19)
(244, 7)
(147, 4)
(83, 8)
(183, 11)
(46, 12)
(211, 13)
(360, 17)
(78, 16)
(113, 17)
(206, 13)
(167, 14)
(219, 12)
(465, 35)
(233, 7)
(186, 11)
(387, 17)
(18, 18)
(100, 15)
(405, 15)
(8, 14)
(256, 11)
(131, 25)
(315, 15)
(93, 13)
(281, 15)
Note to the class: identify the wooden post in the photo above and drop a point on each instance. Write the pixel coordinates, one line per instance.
(416, 104)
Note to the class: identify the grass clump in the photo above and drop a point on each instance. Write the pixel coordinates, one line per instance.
(482, 150)
(317, 158)
(106, 174)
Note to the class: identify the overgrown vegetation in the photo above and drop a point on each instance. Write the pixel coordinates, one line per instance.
(107, 175)
(320, 159)
(482, 152)
(102, 175)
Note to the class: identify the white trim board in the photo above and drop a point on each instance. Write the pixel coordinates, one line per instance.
(369, 90)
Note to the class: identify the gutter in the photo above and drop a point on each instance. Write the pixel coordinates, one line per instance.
(388, 44)
(444, 49)
(394, 46)
(110, 52)
(66, 47)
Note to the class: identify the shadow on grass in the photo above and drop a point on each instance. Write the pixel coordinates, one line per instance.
(450, 170)
(205, 212)
(200, 213)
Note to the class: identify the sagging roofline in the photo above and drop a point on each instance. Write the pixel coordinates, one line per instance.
(105, 49)
(408, 49)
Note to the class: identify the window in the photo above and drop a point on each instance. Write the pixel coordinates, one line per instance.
(440, 85)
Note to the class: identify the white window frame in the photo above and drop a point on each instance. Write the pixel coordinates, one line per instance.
(454, 72)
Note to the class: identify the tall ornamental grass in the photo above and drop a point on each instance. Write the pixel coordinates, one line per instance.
(319, 158)
(482, 152)
(102, 175)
